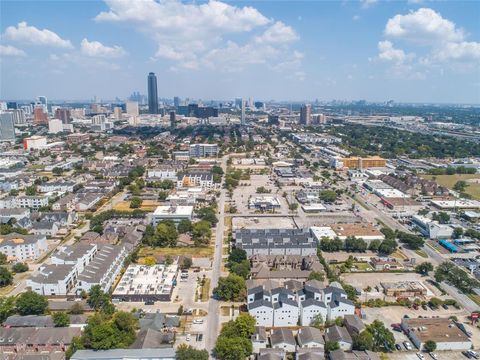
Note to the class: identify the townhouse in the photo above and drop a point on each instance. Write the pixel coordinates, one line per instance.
(32, 202)
(57, 186)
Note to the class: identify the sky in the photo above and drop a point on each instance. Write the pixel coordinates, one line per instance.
(407, 51)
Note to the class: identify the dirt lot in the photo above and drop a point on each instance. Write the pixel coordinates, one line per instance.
(263, 222)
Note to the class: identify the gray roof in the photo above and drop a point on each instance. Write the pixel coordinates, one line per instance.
(96, 269)
(313, 302)
(34, 336)
(354, 322)
(152, 339)
(274, 238)
(308, 335)
(260, 303)
(125, 354)
(27, 239)
(29, 321)
(74, 252)
(158, 321)
(282, 335)
(310, 354)
(260, 334)
(52, 273)
(354, 355)
(337, 333)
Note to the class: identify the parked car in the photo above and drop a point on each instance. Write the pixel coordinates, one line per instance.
(398, 347)
(466, 354)
(198, 321)
(445, 306)
(407, 345)
(473, 354)
(420, 356)
(433, 355)
(424, 307)
(188, 337)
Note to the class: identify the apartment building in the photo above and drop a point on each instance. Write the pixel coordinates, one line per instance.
(23, 247)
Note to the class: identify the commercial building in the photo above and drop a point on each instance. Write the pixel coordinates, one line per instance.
(124, 354)
(404, 289)
(19, 247)
(465, 204)
(432, 229)
(203, 150)
(174, 213)
(152, 94)
(355, 162)
(147, 283)
(276, 241)
(364, 231)
(7, 129)
(263, 203)
(55, 126)
(132, 108)
(34, 142)
(445, 332)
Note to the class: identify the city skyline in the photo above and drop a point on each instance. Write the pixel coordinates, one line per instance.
(414, 52)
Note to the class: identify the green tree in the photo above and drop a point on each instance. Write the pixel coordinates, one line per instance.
(232, 348)
(459, 278)
(457, 232)
(382, 337)
(3, 258)
(460, 186)
(20, 267)
(328, 196)
(230, 288)
(76, 309)
(423, 268)
(7, 307)
(430, 346)
(374, 245)
(236, 256)
(208, 214)
(162, 195)
(31, 190)
(241, 269)
(166, 234)
(57, 171)
(187, 263)
(331, 346)
(31, 303)
(201, 232)
(363, 341)
(61, 319)
(317, 321)
(387, 247)
(184, 226)
(6, 277)
(97, 299)
(187, 352)
(442, 217)
(316, 275)
(135, 202)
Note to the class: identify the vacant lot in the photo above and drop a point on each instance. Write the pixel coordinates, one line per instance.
(473, 181)
(193, 251)
(147, 205)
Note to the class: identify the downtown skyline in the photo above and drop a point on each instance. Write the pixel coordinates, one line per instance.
(415, 51)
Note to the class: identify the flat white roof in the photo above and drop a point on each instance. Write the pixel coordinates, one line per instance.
(391, 193)
(323, 231)
(314, 207)
(459, 203)
(166, 210)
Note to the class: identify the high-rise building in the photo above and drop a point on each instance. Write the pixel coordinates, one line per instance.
(152, 94)
(117, 112)
(305, 114)
(11, 105)
(39, 115)
(238, 103)
(7, 129)
(18, 116)
(242, 121)
(132, 108)
(43, 101)
(63, 114)
(176, 102)
(55, 126)
(173, 119)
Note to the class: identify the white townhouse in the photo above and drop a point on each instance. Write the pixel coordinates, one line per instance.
(23, 247)
(56, 186)
(51, 280)
(33, 202)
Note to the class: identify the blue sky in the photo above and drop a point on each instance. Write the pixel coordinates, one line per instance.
(410, 51)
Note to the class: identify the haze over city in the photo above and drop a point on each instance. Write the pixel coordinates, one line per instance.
(415, 51)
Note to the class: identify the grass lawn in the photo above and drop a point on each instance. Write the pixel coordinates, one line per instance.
(475, 298)
(361, 266)
(148, 205)
(421, 253)
(399, 254)
(450, 180)
(193, 251)
(204, 295)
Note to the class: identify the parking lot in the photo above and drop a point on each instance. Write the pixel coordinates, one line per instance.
(441, 355)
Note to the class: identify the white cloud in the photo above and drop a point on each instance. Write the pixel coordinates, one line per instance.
(459, 51)
(32, 35)
(356, 17)
(367, 3)
(204, 35)
(440, 43)
(277, 33)
(423, 27)
(387, 52)
(8, 50)
(97, 49)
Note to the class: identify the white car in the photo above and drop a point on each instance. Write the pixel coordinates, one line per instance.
(407, 345)
(198, 321)
(420, 356)
(433, 355)
(188, 337)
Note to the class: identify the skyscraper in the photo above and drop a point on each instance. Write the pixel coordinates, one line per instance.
(242, 122)
(305, 114)
(152, 94)
(43, 101)
(176, 102)
(132, 108)
(173, 119)
(39, 115)
(63, 114)
(7, 130)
